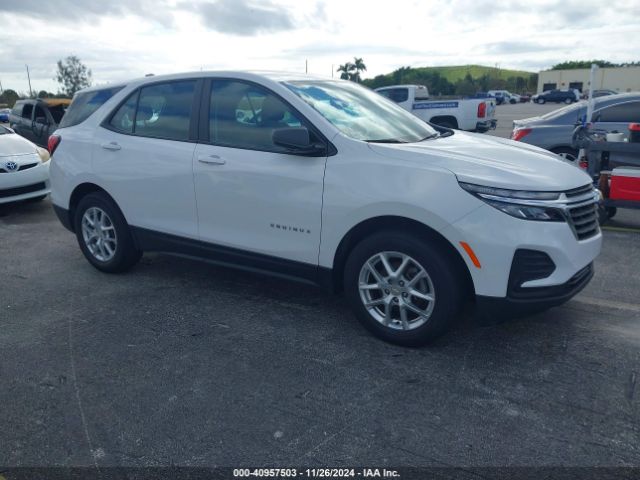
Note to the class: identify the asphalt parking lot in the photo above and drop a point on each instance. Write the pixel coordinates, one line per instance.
(184, 363)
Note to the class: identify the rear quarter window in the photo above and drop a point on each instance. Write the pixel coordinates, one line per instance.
(84, 104)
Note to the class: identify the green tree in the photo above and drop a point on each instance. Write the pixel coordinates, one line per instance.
(9, 97)
(574, 64)
(72, 75)
(359, 66)
(45, 94)
(346, 70)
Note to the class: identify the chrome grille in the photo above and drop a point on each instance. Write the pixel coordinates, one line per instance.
(576, 192)
(582, 211)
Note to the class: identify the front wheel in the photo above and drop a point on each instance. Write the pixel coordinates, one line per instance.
(568, 101)
(103, 234)
(541, 101)
(402, 289)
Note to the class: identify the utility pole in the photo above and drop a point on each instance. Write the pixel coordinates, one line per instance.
(306, 66)
(1, 89)
(332, 65)
(29, 78)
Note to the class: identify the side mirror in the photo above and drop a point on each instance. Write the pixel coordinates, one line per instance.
(298, 140)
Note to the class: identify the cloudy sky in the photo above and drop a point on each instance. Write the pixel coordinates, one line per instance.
(120, 39)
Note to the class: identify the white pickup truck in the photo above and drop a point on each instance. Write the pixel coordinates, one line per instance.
(475, 115)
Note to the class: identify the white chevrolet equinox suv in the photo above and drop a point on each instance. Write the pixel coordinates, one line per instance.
(327, 182)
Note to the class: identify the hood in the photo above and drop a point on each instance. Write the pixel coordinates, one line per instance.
(12, 144)
(490, 161)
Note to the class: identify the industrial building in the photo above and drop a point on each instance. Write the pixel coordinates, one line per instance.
(620, 79)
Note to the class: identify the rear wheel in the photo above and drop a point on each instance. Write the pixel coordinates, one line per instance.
(568, 101)
(103, 234)
(402, 289)
(541, 101)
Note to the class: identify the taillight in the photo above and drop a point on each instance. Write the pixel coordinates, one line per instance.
(482, 109)
(52, 143)
(520, 133)
(584, 165)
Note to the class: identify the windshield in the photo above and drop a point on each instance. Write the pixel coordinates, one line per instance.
(361, 113)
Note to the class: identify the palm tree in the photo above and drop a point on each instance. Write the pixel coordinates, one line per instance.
(347, 71)
(359, 66)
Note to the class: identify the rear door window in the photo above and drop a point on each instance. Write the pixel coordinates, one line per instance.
(164, 110)
(622, 113)
(123, 119)
(84, 104)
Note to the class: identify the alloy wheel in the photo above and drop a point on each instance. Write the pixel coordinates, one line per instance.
(396, 290)
(99, 234)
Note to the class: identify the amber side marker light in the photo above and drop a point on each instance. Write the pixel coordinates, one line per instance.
(471, 253)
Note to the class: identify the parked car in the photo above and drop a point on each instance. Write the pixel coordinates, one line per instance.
(525, 97)
(475, 115)
(24, 168)
(36, 119)
(598, 93)
(4, 115)
(407, 213)
(481, 95)
(554, 131)
(504, 96)
(557, 96)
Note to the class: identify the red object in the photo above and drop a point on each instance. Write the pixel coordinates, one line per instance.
(584, 164)
(634, 132)
(520, 133)
(625, 184)
(52, 143)
(482, 110)
(634, 127)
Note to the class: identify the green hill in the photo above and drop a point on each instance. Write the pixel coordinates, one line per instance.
(459, 79)
(458, 72)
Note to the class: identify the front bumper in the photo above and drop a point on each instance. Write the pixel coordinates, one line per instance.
(495, 237)
(486, 125)
(26, 184)
(496, 309)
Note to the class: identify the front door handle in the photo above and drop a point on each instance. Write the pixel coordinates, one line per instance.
(113, 146)
(211, 159)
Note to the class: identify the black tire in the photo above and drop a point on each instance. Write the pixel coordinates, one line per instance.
(568, 101)
(448, 287)
(125, 255)
(611, 211)
(603, 216)
(567, 152)
(541, 101)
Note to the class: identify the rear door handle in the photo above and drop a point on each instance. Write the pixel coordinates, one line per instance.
(113, 146)
(211, 159)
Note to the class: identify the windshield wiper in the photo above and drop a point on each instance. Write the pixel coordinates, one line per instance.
(433, 135)
(386, 140)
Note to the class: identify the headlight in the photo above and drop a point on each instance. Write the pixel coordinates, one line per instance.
(44, 155)
(519, 203)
